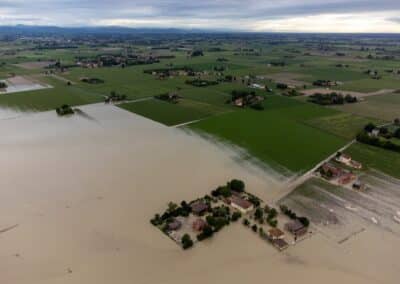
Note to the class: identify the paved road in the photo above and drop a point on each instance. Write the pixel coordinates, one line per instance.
(293, 184)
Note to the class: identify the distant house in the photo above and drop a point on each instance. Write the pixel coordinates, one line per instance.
(347, 160)
(241, 204)
(199, 207)
(296, 228)
(346, 178)
(280, 244)
(276, 233)
(355, 164)
(343, 158)
(199, 224)
(174, 225)
(257, 86)
(375, 132)
(239, 102)
(329, 170)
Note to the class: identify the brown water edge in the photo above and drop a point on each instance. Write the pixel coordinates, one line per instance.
(82, 193)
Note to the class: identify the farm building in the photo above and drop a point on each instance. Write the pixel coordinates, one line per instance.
(199, 207)
(276, 233)
(198, 224)
(280, 244)
(241, 204)
(296, 228)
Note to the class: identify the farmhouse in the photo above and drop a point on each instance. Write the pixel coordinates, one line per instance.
(174, 225)
(330, 171)
(296, 228)
(275, 234)
(241, 204)
(347, 160)
(199, 207)
(346, 178)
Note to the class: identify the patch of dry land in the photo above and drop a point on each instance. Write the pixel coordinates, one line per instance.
(22, 84)
(310, 92)
(77, 194)
(34, 64)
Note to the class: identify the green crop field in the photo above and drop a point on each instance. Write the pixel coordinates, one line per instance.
(383, 107)
(276, 135)
(376, 158)
(172, 114)
(342, 124)
(48, 99)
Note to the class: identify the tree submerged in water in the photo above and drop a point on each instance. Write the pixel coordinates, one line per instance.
(64, 110)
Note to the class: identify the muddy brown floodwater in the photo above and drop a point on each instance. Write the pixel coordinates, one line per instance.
(76, 196)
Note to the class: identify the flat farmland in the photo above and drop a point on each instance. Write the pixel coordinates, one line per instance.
(277, 135)
(173, 114)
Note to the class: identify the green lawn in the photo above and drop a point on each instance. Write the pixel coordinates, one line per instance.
(172, 114)
(376, 158)
(276, 135)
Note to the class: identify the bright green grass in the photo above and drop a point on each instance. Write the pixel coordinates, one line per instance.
(172, 114)
(345, 125)
(47, 99)
(376, 158)
(276, 135)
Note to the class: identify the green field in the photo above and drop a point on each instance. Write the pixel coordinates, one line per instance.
(376, 158)
(383, 107)
(172, 114)
(276, 136)
(48, 99)
(344, 125)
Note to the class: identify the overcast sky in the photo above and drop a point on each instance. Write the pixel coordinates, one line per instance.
(249, 15)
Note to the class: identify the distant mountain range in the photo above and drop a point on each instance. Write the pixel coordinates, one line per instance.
(35, 30)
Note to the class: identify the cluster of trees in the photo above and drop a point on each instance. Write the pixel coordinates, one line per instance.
(324, 83)
(115, 97)
(92, 80)
(366, 138)
(292, 93)
(277, 63)
(281, 86)
(292, 215)
(201, 82)
(220, 217)
(197, 53)
(186, 241)
(226, 191)
(64, 110)
(331, 99)
(168, 97)
(247, 98)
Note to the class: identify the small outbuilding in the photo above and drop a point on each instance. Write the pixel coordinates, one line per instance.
(296, 228)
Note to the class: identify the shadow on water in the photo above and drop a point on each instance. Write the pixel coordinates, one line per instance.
(84, 115)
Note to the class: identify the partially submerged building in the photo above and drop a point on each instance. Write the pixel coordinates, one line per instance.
(241, 204)
(296, 228)
(199, 207)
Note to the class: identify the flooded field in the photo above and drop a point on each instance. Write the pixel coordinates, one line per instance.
(341, 213)
(22, 84)
(77, 194)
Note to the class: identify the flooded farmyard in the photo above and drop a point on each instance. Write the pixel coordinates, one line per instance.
(77, 194)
